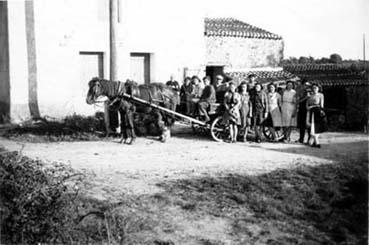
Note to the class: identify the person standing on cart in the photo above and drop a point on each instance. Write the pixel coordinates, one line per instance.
(207, 98)
(185, 95)
(172, 83)
(221, 88)
(195, 95)
(231, 116)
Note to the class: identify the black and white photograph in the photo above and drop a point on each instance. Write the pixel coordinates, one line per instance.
(194, 122)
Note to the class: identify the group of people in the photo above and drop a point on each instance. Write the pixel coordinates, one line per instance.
(250, 106)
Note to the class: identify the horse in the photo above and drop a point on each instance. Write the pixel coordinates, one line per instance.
(156, 93)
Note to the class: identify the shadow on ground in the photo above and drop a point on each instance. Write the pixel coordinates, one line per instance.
(337, 151)
(306, 205)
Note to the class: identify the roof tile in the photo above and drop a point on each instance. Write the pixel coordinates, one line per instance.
(230, 27)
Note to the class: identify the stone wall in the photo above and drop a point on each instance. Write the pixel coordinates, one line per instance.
(240, 53)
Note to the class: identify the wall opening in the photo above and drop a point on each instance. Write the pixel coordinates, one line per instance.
(213, 71)
(92, 65)
(140, 68)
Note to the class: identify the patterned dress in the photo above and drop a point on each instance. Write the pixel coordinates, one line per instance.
(274, 101)
(232, 103)
(289, 108)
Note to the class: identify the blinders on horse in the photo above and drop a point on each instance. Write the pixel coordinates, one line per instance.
(95, 90)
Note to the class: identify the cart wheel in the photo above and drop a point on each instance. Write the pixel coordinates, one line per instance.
(218, 130)
(198, 129)
(268, 134)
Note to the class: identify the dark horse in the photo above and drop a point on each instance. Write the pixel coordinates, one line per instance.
(155, 93)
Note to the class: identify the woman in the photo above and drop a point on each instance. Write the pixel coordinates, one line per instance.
(274, 107)
(195, 94)
(245, 109)
(231, 115)
(185, 94)
(316, 118)
(288, 110)
(259, 109)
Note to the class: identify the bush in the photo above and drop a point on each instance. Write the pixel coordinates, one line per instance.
(36, 202)
(72, 128)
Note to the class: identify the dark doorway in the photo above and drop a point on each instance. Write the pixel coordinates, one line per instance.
(335, 98)
(213, 71)
(4, 64)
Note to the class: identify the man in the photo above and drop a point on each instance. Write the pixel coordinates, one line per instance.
(221, 87)
(260, 109)
(195, 94)
(251, 83)
(173, 84)
(303, 92)
(208, 96)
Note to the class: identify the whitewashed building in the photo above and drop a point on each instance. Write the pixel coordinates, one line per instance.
(51, 49)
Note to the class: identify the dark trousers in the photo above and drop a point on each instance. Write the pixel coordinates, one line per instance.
(203, 107)
(301, 121)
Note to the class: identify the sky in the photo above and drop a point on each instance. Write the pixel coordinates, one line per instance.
(315, 28)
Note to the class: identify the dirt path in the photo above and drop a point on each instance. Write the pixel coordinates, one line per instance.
(141, 169)
(137, 168)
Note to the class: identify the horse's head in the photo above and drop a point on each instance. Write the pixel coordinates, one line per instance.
(94, 90)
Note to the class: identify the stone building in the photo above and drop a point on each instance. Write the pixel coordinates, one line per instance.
(237, 49)
(51, 49)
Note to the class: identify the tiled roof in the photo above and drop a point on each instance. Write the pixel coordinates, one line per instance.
(330, 74)
(230, 27)
(262, 76)
(340, 82)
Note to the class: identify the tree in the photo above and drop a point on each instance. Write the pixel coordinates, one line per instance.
(335, 58)
(304, 60)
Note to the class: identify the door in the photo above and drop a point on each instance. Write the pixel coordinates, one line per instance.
(91, 66)
(140, 68)
(213, 71)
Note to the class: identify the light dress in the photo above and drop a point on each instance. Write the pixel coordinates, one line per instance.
(289, 108)
(274, 100)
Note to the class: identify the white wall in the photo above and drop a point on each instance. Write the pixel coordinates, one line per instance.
(63, 28)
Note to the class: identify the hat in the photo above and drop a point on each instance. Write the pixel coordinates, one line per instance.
(219, 77)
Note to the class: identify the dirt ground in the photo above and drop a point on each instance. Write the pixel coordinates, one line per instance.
(144, 169)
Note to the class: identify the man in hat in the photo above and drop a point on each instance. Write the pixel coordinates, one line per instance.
(221, 88)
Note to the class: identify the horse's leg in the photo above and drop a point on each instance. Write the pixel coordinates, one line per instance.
(106, 118)
(131, 126)
(123, 126)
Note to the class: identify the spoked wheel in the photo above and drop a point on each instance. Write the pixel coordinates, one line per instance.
(219, 131)
(268, 134)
